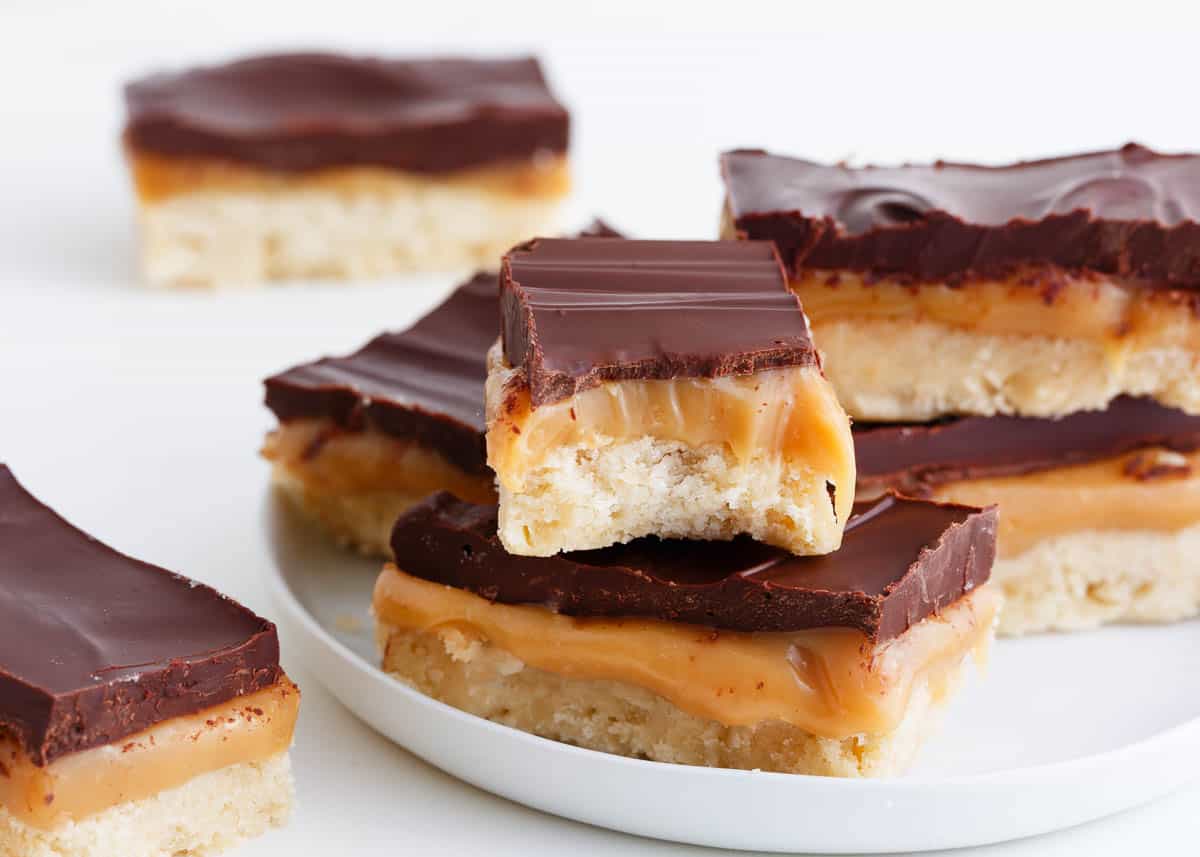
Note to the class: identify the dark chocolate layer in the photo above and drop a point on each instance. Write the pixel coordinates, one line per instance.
(915, 457)
(579, 313)
(296, 112)
(901, 560)
(423, 384)
(95, 646)
(1130, 214)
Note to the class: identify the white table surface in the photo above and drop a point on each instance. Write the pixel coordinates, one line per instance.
(138, 414)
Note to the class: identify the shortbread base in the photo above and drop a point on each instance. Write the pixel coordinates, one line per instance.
(1090, 578)
(381, 224)
(207, 815)
(620, 718)
(900, 370)
(590, 496)
(361, 521)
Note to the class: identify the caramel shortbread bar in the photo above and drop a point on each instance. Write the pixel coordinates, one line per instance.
(1037, 289)
(363, 437)
(1099, 511)
(142, 714)
(315, 165)
(728, 654)
(660, 388)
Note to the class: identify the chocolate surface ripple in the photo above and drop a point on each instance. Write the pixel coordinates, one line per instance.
(1130, 214)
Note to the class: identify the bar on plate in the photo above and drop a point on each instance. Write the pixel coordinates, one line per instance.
(1099, 511)
(728, 654)
(363, 437)
(317, 165)
(1040, 288)
(660, 388)
(141, 713)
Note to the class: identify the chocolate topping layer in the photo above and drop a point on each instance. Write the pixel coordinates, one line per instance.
(914, 458)
(901, 560)
(95, 645)
(425, 384)
(579, 313)
(296, 112)
(1130, 214)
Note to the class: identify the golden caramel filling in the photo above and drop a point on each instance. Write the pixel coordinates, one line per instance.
(780, 413)
(1151, 489)
(1065, 306)
(157, 177)
(830, 682)
(329, 460)
(251, 728)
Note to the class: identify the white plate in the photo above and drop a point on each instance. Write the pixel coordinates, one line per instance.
(1063, 730)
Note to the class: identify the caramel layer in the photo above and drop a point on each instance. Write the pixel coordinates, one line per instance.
(251, 728)
(787, 413)
(330, 460)
(157, 177)
(829, 682)
(1036, 303)
(1151, 489)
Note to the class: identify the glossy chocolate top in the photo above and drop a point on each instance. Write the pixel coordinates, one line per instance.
(900, 561)
(914, 458)
(425, 383)
(295, 112)
(1130, 214)
(95, 646)
(578, 313)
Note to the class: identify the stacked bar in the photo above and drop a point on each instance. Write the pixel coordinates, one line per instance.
(363, 437)
(1023, 335)
(315, 165)
(141, 713)
(665, 444)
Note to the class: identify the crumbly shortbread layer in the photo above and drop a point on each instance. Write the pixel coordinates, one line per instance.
(207, 815)
(1085, 579)
(912, 371)
(617, 717)
(361, 521)
(768, 454)
(375, 225)
(611, 492)
(356, 483)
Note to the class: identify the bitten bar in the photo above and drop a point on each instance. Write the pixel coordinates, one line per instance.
(317, 165)
(660, 387)
(141, 713)
(730, 654)
(1039, 289)
(1099, 511)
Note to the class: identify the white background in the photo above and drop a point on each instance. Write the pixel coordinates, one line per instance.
(138, 414)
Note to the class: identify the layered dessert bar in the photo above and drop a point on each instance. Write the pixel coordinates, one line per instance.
(315, 165)
(1099, 511)
(729, 654)
(363, 437)
(1039, 289)
(660, 388)
(141, 713)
